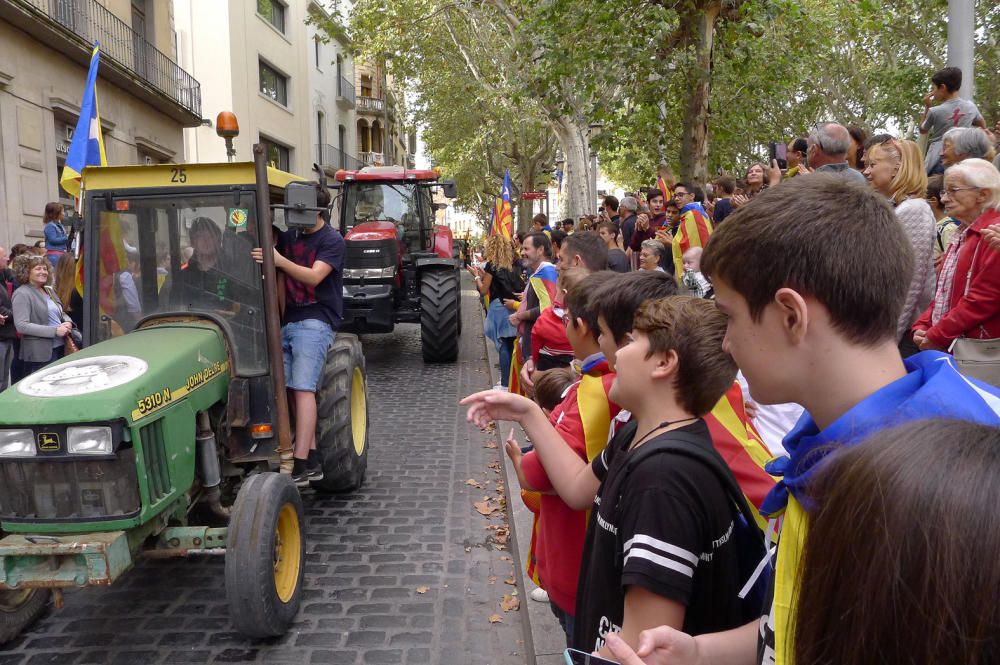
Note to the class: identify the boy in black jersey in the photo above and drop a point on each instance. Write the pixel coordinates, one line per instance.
(659, 548)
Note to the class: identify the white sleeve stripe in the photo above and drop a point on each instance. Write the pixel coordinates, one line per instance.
(660, 561)
(664, 547)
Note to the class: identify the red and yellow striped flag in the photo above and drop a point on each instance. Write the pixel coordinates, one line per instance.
(694, 230)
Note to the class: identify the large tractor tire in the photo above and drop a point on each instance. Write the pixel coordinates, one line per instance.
(265, 556)
(439, 315)
(19, 610)
(342, 429)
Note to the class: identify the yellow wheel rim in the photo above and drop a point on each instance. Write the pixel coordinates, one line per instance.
(359, 411)
(287, 553)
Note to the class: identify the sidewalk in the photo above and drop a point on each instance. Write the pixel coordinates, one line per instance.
(546, 636)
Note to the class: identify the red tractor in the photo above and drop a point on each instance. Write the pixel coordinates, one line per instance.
(400, 265)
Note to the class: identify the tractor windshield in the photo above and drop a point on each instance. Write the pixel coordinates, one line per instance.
(404, 204)
(160, 255)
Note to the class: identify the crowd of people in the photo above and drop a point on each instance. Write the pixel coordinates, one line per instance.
(763, 413)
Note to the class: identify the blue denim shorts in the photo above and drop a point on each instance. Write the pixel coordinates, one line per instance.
(304, 345)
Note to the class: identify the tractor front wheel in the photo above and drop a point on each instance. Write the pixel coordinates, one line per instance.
(342, 429)
(439, 314)
(19, 609)
(265, 556)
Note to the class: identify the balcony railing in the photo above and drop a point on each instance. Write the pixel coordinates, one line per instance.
(373, 158)
(332, 156)
(91, 22)
(345, 90)
(373, 104)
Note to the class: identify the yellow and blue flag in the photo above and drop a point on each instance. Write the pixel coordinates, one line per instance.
(503, 217)
(87, 146)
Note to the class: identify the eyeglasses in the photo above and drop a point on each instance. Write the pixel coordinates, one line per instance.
(951, 191)
(676, 194)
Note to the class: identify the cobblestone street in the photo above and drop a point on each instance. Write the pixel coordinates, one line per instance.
(403, 571)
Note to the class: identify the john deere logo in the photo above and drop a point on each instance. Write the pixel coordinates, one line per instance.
(48, 441)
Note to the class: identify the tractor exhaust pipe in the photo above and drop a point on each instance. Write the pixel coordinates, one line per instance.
(208, 466)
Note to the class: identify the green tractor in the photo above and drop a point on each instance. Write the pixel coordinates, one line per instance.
(162, 436)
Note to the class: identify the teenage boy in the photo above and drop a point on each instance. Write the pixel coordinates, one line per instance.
(617, 259)
(658, 548)
(951, 111)
(802, 328)
(312, 261)
(582, 420)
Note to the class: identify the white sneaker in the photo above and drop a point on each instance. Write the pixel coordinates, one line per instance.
(500, 387)
(540, 595)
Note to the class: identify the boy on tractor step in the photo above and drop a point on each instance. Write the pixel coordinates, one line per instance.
(312, 263)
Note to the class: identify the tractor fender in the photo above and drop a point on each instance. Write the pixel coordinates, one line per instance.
(435, 263)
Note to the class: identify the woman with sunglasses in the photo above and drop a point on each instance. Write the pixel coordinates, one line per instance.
(967, 300)
(895, 170)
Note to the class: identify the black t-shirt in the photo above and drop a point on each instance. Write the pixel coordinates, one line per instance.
(325, 301)
(617, 261)
(628, 228)
(505, 285)
(667, 527)
(723, 208)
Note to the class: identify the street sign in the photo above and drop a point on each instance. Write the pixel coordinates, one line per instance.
(533, 196)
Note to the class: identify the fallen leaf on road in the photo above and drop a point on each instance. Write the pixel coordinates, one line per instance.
(421, 589)
(468, 549)
(504, 557)
(496, 618)
(492, 579)
(510, 603)
(475, 483)
(486, 508)
(510, 581)
(490, 444)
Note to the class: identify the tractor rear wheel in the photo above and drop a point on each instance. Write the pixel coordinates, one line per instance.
(439, 313)
(19, 609)
(265, 556)
(342, 428)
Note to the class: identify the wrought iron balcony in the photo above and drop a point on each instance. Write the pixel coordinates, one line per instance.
(373, 158)
(333, 157)
(371, 104)
(72, 25)
(345, 92)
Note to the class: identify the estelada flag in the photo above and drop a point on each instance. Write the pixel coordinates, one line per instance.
(87, 147)
(662, 186)
(694, 230)
(503, 217)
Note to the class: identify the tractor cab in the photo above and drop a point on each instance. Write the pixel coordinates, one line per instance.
(400, 264)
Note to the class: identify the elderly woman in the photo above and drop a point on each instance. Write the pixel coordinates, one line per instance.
(967, 300)
(895, 170)
(38, 314)
(961, 143)
(651, 253)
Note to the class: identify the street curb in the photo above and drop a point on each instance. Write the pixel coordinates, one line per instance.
(544, 637)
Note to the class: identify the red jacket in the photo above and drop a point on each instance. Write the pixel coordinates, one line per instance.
(582, 419)
(548, 336)
(975, 313)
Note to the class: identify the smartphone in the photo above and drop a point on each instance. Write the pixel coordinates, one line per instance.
(574, 657)
(779, 152)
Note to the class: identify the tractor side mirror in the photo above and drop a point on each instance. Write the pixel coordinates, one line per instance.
(440, 206)
(300, 205)
(450, 190)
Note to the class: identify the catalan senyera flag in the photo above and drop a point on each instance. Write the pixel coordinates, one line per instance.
(87, 147)
(112, 258)
(742, 448)
(662, 186)
(503, 216)
(694, 230)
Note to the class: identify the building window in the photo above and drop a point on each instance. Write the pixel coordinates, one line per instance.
(366, 85)
(278, 155)
(319, 50)
(273, 84)
(273, 12)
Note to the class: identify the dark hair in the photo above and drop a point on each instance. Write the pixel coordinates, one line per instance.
(620, 294)
(610, 227)
(581, 302)
(611, 202)
(949, 77)
(323, 196)
(699, 193)
(52, 211)
(792, 236)
(935, 184)
(17, 250)
(558, 236)
(876, 139)
(590, 248)
(726, 184)
(800, 145)
(654, 193)
(900, 565)
(568, 220)
(686, 185)
(540, 218)
(551, 385)
(539, 239)
(672, 203)
(694, 329)
(859, 136)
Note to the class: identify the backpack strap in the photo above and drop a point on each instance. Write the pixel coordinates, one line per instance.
(690, 446)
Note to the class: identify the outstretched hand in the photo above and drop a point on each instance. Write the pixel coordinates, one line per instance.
(490, 406)
(657, 646)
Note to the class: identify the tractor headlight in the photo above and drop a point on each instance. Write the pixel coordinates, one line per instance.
(89, 440)
(17, 442)
(369, 273)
